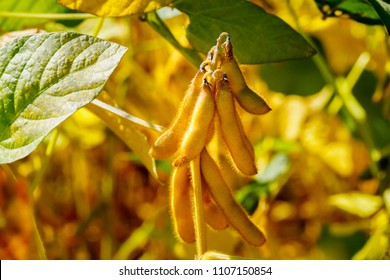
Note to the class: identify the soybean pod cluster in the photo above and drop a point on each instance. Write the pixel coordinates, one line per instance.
(208, 109)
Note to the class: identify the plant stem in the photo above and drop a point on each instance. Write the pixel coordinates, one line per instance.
(38, 239)
(37, 179)
(10, 175)
(122, 114)
(37, 236)
(343, 89)
(57, 16)
(158, 25)
(107, 189)
(200, 229)
(98, 26)
(45, 163)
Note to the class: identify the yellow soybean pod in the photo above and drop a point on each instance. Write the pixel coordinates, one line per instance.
(197, 133)
(223, 197)
(213, 214)
(169, 141)
(247, 98)
(181, 206)
(232, 131)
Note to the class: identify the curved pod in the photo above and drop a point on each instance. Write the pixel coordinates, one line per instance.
(247, 98)
(213, 214)
(180, 200)
(223, 197)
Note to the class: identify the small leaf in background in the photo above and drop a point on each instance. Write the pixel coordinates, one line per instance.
(248, 196)
(44, 78)
(128, 133)
(356, 203)
(378, 242)
(114, 8)
(278, 166)
(359, 10)
(27, 6)
(258, 37)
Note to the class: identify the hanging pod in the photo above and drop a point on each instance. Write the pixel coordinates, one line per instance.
(169, 141)
(223, 197)
(197, 134)
(231, 129)
(181, 206)
(247, 98)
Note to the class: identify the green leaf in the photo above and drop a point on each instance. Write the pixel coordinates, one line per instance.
(249, 195)
(44, 78)
(299, 77)
(358, 10)
(278, 166)
(158, 25)
(27, 6)
(114, 8)
(257, 37)
(383, 10)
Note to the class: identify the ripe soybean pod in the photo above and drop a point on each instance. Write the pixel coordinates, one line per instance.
(248, 99)
(223, 197)
(248, 143)
(232, 131)
(213, 214)
(169, 141)
(197, 133)
(181, 207)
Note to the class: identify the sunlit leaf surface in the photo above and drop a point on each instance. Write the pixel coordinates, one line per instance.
(44, 78)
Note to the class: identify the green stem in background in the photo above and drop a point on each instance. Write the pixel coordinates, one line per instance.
(10, 175)
(57, 16)
(37, 236)
(107, 189)
(159, 26)
(200, 229)
(98, 26)
(38, 239)
(123, 114)
(317, 58)
(49, 151)
(37, 179)
(356, 111)
(136, 241)
(343, 90)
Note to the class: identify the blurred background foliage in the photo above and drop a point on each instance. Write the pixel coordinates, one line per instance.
(323, 188)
